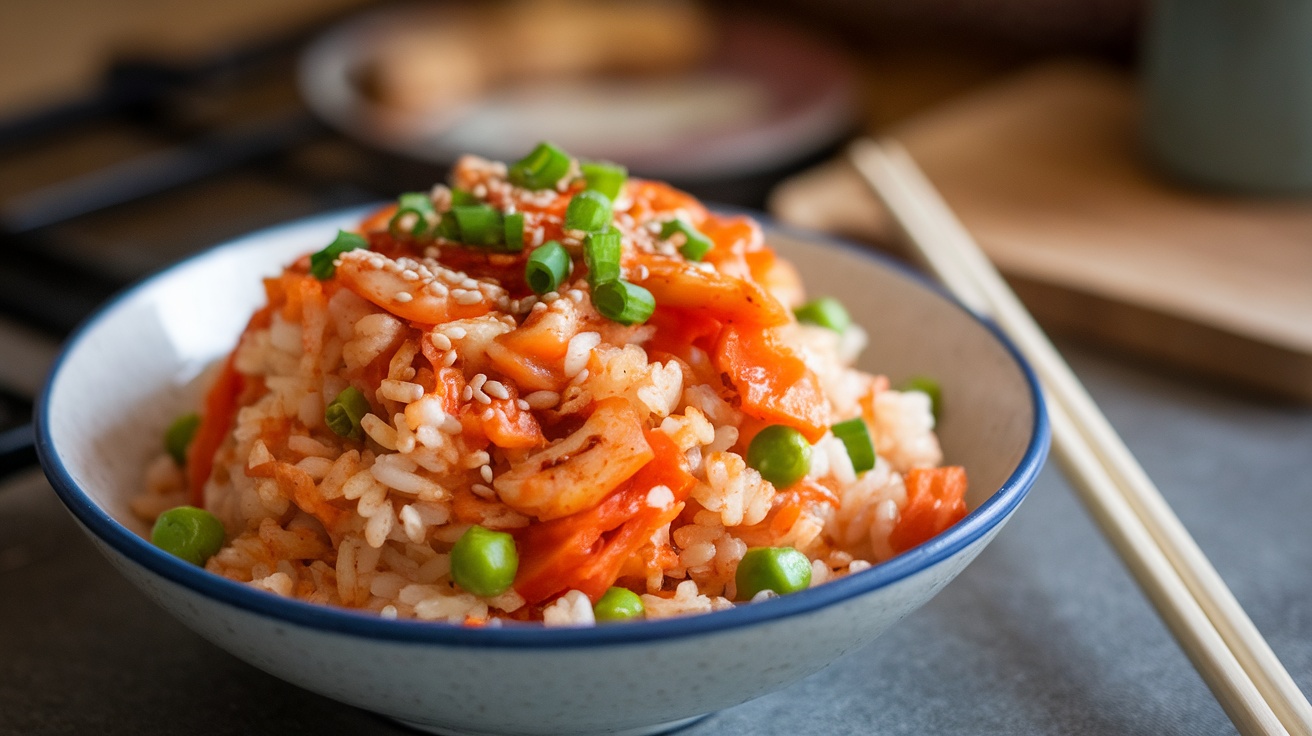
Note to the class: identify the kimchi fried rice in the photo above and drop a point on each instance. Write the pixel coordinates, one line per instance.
(542, 389)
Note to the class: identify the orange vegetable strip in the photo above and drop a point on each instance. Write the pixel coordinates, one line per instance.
(570, 552)
(774, 384)
(936, 499)
(216, 421)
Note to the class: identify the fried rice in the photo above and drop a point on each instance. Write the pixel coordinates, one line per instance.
(614, 453)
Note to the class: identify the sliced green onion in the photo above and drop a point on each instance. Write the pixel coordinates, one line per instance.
(588, 211)
(541, 169)
(514, 235)
(343, 415)
(461, 197)
(825, 312)
(601, 253)
(623, 302)
(480, 224)
(447, 228)
(321, 263)
(855, 436)
(605, 177)
(547, 267)
(930, 388)
(177, 438)
(695, 245)
(419, 208)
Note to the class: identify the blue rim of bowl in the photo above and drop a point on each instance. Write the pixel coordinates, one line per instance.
(996, 508)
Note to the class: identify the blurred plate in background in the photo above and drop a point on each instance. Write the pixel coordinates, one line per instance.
(661, 87)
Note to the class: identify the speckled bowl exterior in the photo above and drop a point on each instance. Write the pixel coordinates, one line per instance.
(136, 364)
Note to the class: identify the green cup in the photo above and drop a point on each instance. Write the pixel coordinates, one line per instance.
(1228, 93)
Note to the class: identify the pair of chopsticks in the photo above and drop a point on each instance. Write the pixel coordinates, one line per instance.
(1225, 647)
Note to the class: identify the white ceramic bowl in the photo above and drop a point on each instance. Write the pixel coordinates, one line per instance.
(133, 366)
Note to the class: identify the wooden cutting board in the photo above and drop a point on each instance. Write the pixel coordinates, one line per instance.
(1045, 169)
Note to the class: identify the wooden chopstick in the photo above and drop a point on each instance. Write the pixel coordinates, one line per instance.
(1211, 627)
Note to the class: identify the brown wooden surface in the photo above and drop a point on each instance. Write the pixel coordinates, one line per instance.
(1045, 170)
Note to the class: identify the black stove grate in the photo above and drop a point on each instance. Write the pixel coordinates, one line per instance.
(164, 160)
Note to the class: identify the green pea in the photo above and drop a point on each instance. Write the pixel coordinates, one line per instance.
(178, 437)
(930, 388)
(618, 604)
(780, 454)
(188, 532)
(484, 562)
(781, 569)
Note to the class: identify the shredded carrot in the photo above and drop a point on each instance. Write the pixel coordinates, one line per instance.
(936, 499)
(216, 421)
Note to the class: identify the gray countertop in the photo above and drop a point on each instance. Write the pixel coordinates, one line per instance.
(1044, 633)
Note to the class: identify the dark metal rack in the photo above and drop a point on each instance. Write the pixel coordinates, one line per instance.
(166, 159)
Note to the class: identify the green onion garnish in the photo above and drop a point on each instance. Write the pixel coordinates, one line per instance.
(547, 267)
(623, 302)
(605, 177)
(343, 415)
(601, 253)
(825, 312)
(479, 224)
(321, 263)
(415, 206)
(930, 388)
(541, 169)
(447, 228)
(694, 245)
(177, 438)
(514, 235)
(588, 211)
(461, 197)
(856, 438)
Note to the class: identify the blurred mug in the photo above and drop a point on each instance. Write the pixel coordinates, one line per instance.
(1228, 92)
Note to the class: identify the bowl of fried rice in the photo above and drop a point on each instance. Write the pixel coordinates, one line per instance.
(545, 449)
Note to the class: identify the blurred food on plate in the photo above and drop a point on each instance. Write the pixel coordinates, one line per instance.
(453, 55)
(663, 86)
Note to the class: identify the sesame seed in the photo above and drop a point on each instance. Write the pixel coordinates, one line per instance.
(456, 333)
(403, 296)
(522, 404)
(467, 297)
(409, 275)
(486, 472)
(483, 491)
(542, 399)
(449, 359)
(643, 272)
(437, 289)
(440, 341)
(496, 390)
(540, 307)
(467, 394)
(582, 376)
(478, 380)
(488, 415)
(469, 284)
(576, 295)
(482, 398)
